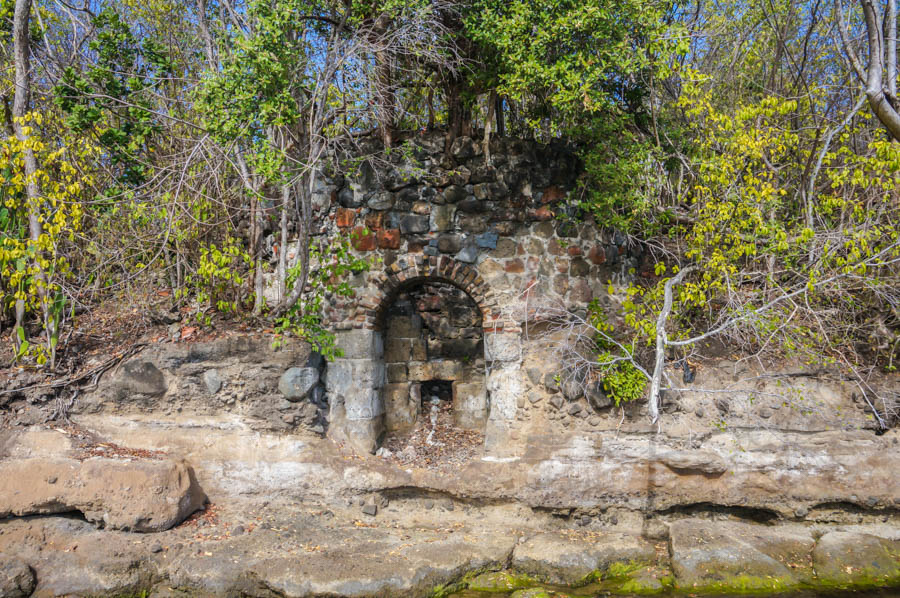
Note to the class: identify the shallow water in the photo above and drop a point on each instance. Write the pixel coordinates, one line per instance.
(593, 590)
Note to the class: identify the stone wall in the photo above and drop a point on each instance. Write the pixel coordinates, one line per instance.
(503, 232)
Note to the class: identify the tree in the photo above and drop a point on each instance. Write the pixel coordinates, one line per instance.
(879, 77)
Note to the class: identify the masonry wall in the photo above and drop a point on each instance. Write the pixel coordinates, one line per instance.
(501, 230)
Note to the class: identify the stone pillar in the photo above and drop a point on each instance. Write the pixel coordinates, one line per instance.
(354, 384)
(503, 357)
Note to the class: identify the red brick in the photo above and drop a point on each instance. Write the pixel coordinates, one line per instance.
(597, 255)
(541, 214)
(574, 250)
(345, 217)
(363, 239)
(553, 194)
(389, 238)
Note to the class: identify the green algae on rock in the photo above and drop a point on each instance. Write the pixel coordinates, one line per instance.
(500, 581)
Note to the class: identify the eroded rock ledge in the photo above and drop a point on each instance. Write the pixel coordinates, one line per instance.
(305, 550)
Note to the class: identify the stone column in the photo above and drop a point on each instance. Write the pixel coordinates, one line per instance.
(503, 358)
(353, 383)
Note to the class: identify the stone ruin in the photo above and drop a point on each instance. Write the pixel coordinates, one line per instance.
(462, 246)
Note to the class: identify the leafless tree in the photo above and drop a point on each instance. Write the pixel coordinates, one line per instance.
(879, 77)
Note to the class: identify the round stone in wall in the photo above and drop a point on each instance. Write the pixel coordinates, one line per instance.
(296, 383)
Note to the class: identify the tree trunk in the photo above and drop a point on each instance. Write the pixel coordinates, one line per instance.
(879, 98)
(498, 108)
(661, 343)
(21, 101)
(486, 143)
(205, 35)
(283, 245)
(384, 92)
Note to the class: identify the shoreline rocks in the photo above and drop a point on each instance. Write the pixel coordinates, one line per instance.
(140, 496)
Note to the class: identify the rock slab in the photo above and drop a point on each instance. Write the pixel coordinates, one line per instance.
(706, 554)
(140, 496)
(568, 559)
(848, 559)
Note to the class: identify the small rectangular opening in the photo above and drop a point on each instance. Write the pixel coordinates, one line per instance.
(436, 392)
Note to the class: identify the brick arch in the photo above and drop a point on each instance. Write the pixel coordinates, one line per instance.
(408, 271)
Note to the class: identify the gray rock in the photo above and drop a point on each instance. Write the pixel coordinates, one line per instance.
(572, 390)
(16, 578)
(296, 383)
(213, 381)
(706, 553)
(468, 254)
(370, 510)
(487, 240)
(502, 347)
(381, 201)
(414, 223)
(597, 397)
(557, 401)
(454, 194)
(142, 377)
(449, 243)
(460, 175)
(563, 559)
(471, 205)
(843, 558)
(348, 199)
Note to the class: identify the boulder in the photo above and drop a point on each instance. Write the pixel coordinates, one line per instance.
(142, 377)
(730, 556)
(847, 559)
(141, 496)
(16, 578)
(296, 383)
(213, 381)
(568, 559)
(596, 396)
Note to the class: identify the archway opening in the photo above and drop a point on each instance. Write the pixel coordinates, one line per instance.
(435, 402)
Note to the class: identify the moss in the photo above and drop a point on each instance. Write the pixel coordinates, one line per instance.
(500, 581)
(444, 590)
(867, 579)
(744, 584)
(634, 577)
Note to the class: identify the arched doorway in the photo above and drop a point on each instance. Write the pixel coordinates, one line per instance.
(435, 400)
(357, 383)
